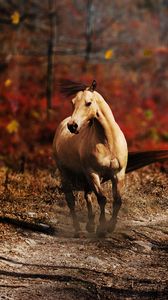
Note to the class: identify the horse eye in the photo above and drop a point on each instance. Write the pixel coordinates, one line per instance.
(88, 103)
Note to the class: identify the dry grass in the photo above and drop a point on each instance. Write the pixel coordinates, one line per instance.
(129, 264)
(38, 195)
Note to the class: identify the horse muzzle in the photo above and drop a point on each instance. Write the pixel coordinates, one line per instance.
(73, 127)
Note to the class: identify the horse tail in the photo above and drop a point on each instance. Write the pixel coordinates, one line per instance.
(139, 159)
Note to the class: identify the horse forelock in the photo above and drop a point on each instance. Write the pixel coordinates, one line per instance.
(68, 87)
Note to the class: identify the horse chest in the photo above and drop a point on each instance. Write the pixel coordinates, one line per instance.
(97, 157)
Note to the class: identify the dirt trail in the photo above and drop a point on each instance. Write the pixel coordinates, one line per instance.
(40, 259)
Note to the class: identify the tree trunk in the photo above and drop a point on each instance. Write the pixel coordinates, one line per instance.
(89, 31)
(51, 56)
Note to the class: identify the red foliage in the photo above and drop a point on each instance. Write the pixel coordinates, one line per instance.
(142, 120)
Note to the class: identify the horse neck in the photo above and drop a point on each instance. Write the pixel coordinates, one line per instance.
(107, 121)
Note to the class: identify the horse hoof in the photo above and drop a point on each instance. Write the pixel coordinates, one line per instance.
(79, 234)
(100, 232)
(111, 227)
(76, 235)
(90, 227)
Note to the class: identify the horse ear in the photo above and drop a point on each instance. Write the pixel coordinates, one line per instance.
(93, 86)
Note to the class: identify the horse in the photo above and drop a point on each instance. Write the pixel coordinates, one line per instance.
(89, 145)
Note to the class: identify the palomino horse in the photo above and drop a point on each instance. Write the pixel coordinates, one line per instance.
(91, 146)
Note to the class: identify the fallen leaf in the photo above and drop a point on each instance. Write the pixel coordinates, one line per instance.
(109, 54)
(12, 127)
(149, 114)
(15, 17)
(35, 114)
(148, 52)
(8, 82)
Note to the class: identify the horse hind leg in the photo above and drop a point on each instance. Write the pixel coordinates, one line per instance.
(70, 199)
(117, 186)
(90, 226)
(102, 228)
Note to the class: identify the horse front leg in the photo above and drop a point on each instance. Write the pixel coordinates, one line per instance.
(117, 186)
(94, 181)
(70, 199)
(90, 226)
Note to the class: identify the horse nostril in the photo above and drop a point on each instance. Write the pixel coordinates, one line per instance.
(72, 127)
(69, 126)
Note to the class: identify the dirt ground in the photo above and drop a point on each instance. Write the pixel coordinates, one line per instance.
(40, 258)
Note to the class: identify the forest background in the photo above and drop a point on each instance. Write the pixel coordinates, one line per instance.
(121, 44)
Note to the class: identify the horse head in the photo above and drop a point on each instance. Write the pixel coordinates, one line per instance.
(85, 109)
